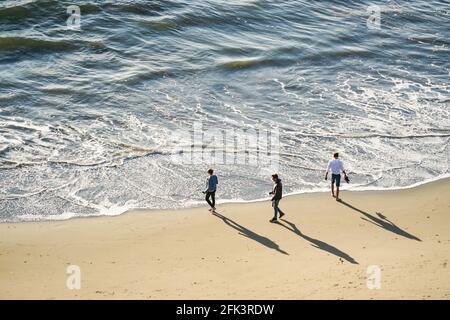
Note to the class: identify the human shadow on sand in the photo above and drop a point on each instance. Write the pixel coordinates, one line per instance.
(382, 222)
(317, 243)
(250, 234)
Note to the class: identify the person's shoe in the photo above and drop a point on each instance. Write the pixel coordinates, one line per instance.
(338, 199)
(210, 209)
(281, 215)
(273, 220)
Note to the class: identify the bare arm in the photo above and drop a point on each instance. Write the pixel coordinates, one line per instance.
(328, 169)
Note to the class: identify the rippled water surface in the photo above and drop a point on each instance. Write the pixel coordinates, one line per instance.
(86, 117)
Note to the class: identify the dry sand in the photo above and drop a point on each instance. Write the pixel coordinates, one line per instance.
(321, 251)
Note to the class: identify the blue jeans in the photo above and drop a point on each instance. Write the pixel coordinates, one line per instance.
(275, 208)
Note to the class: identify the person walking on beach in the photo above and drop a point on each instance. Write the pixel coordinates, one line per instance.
(211, 185)
(277, 194)
(336, 166)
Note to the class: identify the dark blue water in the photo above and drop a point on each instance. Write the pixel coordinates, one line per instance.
(87, 116)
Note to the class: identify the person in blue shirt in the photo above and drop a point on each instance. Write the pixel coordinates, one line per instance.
(211, 186)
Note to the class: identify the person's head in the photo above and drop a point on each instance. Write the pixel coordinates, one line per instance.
(210, 172)
(336, 155)
(274, 177)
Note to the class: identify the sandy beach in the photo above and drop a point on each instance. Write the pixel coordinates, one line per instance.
(321, 250)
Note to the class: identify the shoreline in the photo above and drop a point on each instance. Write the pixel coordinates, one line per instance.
(322, 250)
(201, 203)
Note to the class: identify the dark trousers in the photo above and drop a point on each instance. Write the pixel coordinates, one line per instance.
(211, 195)
(276, 210)
(336, 178)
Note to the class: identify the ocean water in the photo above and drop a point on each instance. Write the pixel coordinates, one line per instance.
(87, 117)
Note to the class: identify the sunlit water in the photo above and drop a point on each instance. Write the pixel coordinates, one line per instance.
(86, 116)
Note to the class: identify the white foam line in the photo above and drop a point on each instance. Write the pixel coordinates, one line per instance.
(352, 189)
(116, 211)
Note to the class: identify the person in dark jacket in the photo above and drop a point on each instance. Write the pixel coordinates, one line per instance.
(277, 194)
(211, 185)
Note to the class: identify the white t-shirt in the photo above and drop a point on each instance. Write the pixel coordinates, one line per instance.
(336, 166)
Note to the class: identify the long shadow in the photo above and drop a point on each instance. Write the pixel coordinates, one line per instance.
(318, 243)
(382, 222)
(250, 234)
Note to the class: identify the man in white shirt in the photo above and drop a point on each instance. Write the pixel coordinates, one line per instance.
(336, 166)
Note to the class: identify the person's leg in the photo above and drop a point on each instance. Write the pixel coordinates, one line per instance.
(275, 209)
(332, 186)
(338, 184)
(279, 210)
(213, 198)
(208, 195)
